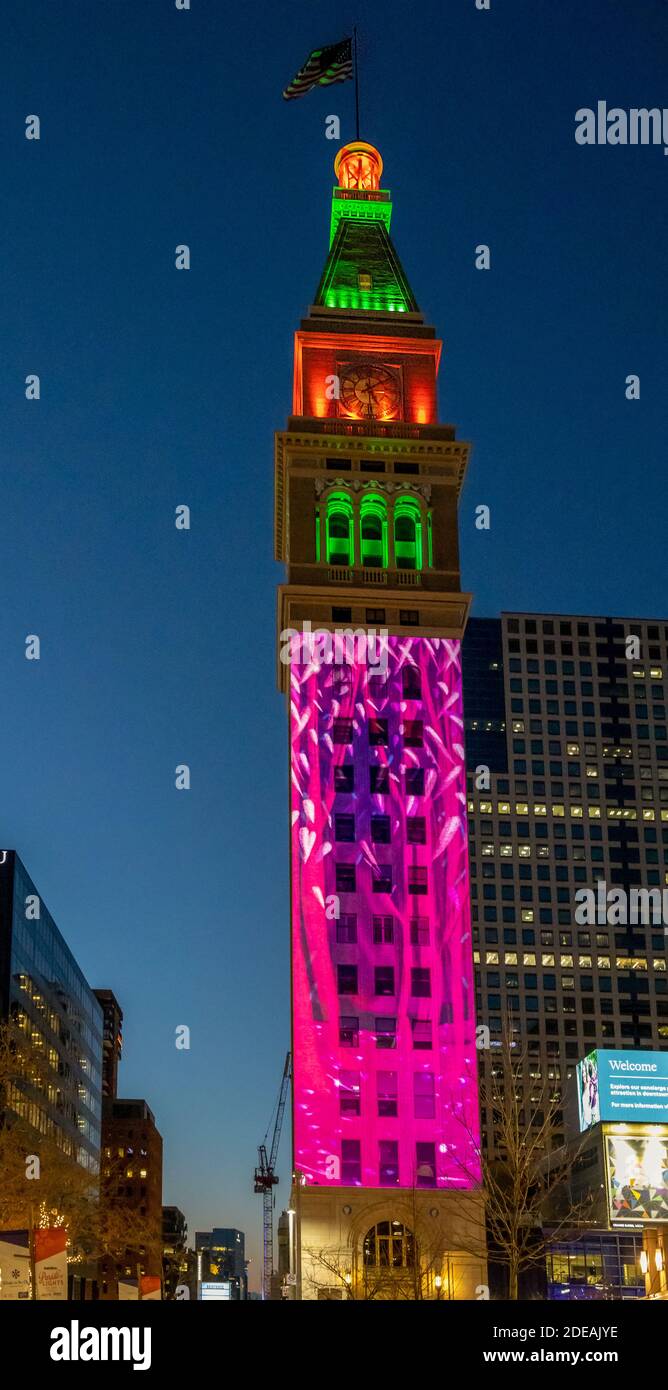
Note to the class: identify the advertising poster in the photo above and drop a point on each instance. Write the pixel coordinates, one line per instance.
(637, 1169)
(14, 1265)
(51, 1263)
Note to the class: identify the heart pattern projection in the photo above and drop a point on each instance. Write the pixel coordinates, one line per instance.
(395, 1074)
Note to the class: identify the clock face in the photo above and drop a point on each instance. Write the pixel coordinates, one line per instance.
(370, 392)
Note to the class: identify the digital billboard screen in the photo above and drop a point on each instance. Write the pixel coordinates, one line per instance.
(637, 1176)
(631, 1087)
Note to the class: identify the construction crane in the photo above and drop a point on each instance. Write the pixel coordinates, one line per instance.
(266, 1179)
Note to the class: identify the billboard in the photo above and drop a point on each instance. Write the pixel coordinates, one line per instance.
(631, 1087)
(221, 1290)
(636, 1166)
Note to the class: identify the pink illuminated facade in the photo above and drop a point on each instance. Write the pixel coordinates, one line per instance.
(385, 1102)
(383, 1009)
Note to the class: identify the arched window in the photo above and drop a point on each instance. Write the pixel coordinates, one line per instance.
(389, 1245)
(407, 534)
(340, 544)
(373, 531)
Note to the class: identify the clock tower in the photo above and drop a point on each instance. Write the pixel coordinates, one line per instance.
(386, 1172)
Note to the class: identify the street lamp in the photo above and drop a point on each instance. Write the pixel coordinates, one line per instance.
(438, 1282)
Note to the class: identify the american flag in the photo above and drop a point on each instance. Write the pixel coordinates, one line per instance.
(323, 67)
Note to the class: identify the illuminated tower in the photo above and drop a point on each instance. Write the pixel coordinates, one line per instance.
(385, 1108)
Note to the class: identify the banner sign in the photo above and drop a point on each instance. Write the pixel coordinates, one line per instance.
(14, 1265)
(51, 1263)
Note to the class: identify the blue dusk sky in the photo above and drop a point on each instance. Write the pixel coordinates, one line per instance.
(161, 127)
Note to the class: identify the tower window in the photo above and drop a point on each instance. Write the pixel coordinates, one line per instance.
(411, 683)
(383, 931)
(383, 982)
(349, 1093)
(414, 781)
(408, 534)
(373, 531)
(386, 1090)
(382, 880)
(349, 1033)
(378, 736)
(386, 1032)
(351, 1162)
(379, 779)
(424, 1103)
(344, 828)
(344, 778)
(388, 1165)
(425, 1156)
(364, 280)
(340, 541)
(380, 830)
(347, 979)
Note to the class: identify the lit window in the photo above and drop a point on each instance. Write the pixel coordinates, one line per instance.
(631, 963)
(656, 673)
(547, 958)
(503, 808)
(486, 808)
(521, 808)
(510, 958)
(576, 812)
(505, 851)
(567, 982)
(572, 750)
(648, 813)
(487, 850)
(529, 958)
(557, 810)
(524, 851)
(603, 962)
(518, 726)
(659, 964)
(584, 962)
(594, 813)
(566, 962)
(491, 958)
(540, 809)
(527, 914)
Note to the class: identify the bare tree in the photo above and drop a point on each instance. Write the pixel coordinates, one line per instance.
(527, 1175)
(42, 1183)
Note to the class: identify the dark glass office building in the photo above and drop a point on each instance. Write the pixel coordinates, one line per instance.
(45, 991)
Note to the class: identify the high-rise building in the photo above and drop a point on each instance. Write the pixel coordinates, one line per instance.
(567, 754)
(385, 1110)
(132, 1182)
(44, 990)
(221, 1255)
(113, 1040)
(178, 1262)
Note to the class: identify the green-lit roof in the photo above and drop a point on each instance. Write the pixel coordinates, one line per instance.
(363, 247)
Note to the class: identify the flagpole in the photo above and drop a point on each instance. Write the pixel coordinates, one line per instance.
(357, 85)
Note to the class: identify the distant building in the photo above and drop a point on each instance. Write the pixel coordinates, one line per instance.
(43, 988)
(132, 1177)
(221, 1259)
(178, 1262)
(112, 1040)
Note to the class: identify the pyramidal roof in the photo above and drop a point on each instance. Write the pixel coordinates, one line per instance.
(363, 270)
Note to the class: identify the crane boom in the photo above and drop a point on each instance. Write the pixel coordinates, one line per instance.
(266, 1180)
